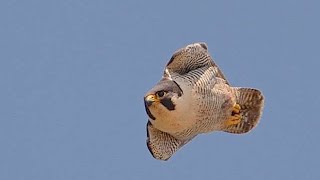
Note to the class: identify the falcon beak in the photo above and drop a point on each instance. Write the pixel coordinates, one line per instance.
(151, 99)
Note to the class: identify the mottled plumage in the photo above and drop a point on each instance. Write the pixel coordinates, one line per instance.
(194, 97)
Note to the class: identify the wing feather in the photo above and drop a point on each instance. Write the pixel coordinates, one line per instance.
(190, 58)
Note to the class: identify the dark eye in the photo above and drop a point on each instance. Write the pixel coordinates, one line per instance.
(161, 93)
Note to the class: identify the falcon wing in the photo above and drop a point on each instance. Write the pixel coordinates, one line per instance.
(192, 57)
(162, 145)
(218, 73)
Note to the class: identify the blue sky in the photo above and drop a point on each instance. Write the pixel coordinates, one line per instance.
(73, 75)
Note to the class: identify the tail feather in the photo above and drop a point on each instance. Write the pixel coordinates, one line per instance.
(251, 102)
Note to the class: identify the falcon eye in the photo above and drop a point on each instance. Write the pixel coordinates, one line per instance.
(161, 93)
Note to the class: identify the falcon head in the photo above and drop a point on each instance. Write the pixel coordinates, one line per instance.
(161, 99)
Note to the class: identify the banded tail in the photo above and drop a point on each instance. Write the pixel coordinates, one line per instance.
(251, 103)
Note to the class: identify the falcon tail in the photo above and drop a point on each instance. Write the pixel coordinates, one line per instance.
(251, 103)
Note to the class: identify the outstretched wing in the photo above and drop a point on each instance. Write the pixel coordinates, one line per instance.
(160, 144)
(192, 57)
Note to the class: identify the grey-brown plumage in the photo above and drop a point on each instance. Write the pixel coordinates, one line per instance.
(194, 97)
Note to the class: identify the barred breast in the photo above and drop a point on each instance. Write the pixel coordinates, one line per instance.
(211, 102)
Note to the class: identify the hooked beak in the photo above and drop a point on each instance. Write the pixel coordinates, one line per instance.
(150, 99)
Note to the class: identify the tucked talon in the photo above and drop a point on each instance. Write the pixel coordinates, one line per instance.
(236, 109)
(235, 117)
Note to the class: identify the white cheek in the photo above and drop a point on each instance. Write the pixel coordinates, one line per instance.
(157, 110)
(161, 113)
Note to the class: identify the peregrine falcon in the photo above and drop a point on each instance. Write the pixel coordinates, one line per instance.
(194, 97)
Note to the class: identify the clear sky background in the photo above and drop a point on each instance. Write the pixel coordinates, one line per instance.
(73, 74)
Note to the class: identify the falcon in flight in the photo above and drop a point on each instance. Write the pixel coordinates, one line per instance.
(194, 97)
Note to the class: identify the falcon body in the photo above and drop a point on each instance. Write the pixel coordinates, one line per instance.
(194, 97)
